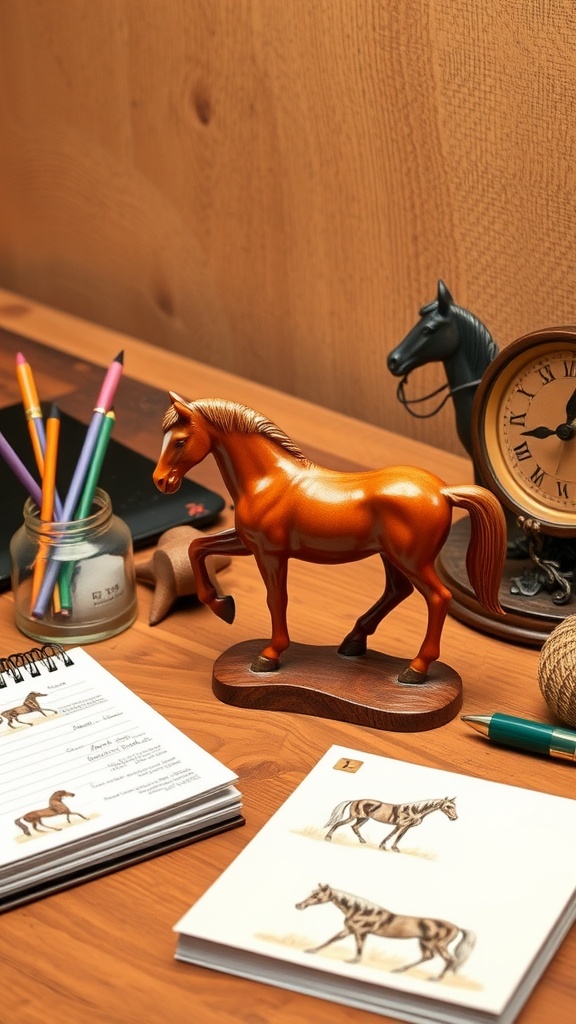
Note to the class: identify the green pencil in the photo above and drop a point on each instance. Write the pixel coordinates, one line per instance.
(85, 503)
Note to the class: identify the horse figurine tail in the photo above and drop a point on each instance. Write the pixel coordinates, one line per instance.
(486, 553)
(20, 823)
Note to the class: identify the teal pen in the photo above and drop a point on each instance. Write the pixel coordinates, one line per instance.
(551, 740)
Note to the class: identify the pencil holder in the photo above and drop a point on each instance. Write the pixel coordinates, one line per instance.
(94, 594)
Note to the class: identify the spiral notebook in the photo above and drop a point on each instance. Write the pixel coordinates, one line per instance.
(93, 779)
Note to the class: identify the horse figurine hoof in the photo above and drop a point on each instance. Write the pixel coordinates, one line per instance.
(224, 608)
(410, 675)
(262, 664)
(350, 648)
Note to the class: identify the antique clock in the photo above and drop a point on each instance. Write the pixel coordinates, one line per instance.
(524, 451)
(524, 430)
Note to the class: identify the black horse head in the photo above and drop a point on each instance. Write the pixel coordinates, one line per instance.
(449, 334)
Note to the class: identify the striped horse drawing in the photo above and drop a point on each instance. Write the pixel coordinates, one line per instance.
(363, 918)
(56, 806)
(402, 816)
(29, 706)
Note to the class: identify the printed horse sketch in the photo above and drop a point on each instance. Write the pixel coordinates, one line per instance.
(363, 918)
(31, 704)
(402, 816)
(56, 806)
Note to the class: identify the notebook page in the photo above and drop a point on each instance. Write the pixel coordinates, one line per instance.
(89, 756)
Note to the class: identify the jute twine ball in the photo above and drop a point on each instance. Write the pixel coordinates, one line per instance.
(557, 671)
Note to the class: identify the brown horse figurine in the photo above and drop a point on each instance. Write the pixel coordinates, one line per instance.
(287, 507)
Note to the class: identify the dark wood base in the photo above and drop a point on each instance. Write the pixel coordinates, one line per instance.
(318, 681)
(528, 620)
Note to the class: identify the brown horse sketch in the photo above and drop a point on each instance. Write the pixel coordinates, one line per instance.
(56, 806)
(402, 816)
(362, 918)
(30, 704)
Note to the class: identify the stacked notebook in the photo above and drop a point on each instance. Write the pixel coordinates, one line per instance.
(93, 779)
(409, 891)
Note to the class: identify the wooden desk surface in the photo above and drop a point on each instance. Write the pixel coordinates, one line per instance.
(103, 952)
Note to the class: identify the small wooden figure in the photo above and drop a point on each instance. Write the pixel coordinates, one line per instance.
(288, 507)
(168, 569)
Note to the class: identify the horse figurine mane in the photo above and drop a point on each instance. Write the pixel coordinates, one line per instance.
(474, 335)
(233, 417)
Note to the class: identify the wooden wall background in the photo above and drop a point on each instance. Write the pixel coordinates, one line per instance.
(274, 186)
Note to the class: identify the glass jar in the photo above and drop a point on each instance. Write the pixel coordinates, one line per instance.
(73, 582)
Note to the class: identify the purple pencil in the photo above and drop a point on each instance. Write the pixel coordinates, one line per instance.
(103, 405)
(20, 471)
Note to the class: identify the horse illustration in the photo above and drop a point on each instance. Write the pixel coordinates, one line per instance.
(362, 918)
(402, 816)
(56, 806)
(30, 704)
(285, 506)
(449, 334)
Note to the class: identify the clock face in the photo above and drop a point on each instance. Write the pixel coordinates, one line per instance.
(525, 428)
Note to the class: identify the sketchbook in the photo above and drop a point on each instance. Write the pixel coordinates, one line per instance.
(93, 779)
(409, 891)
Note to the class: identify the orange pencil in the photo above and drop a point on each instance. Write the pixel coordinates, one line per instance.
(32, 409)
(48, 494)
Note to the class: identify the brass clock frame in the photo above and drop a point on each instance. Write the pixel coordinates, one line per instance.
(497, 458)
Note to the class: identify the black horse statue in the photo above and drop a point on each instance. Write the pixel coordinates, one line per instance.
(451, 335)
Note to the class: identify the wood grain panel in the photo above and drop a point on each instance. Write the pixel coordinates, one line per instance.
(273, 187)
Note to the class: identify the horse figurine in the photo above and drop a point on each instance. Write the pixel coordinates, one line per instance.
(449, 334)
(287, 507)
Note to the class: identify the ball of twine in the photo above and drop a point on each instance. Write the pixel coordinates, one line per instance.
(557, 671)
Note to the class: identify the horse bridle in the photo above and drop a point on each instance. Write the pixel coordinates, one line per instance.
(408, 402)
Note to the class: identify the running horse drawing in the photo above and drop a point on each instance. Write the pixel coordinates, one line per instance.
(449, 334)
(363, 918)
(402, 816)
(288, 507)
(55, 807)
(30, 705)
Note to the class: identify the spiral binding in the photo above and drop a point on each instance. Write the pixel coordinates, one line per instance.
(32, 662)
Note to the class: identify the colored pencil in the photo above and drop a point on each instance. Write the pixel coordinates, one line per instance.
(34, 418)
(92, 477)
(32, 409)
(19, 469)
(85, 503)
(48, 492)
(103, 405)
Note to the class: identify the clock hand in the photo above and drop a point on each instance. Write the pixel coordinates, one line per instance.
(565, 431)
(539, 432)
(571, 408)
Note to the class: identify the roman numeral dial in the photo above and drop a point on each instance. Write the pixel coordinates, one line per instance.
(525, 428)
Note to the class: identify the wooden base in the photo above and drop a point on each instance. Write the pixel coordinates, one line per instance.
(528, 620)
(318, 681)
